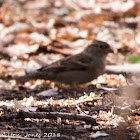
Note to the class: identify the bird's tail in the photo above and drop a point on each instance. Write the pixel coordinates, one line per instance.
(23, 79)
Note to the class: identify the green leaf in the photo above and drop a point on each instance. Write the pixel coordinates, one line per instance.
(133, 59)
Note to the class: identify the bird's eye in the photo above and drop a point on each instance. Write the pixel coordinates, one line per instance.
(101, 46)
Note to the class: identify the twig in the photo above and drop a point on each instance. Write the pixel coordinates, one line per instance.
(87, 100)
(50, 115)
(123, 69)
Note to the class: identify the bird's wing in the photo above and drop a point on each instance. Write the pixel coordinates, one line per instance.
(76, 62)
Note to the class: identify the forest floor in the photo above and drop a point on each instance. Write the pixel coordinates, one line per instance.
(36, 33)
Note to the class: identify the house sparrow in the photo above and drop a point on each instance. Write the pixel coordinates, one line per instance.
(73, 70)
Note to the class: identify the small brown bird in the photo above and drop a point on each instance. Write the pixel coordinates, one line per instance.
(77, 69)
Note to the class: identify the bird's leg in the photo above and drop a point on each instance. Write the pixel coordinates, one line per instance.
(73, 85)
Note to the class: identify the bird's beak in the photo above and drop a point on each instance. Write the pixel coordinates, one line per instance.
(110, 50)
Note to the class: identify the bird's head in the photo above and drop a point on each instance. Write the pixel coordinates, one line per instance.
(98, 48)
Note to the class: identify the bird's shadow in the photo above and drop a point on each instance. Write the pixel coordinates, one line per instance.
(63, 93)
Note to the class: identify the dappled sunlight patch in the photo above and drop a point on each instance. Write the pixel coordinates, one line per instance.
(106, 119)
(111, 80)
